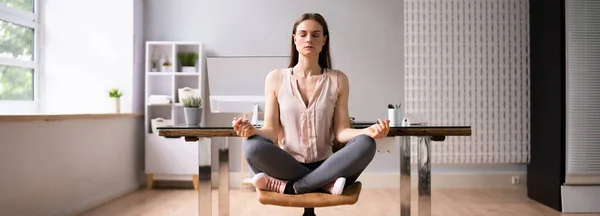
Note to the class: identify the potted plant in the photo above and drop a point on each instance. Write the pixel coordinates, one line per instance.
(154, 62)
(192, 107)
(115, 94)
(167, 66)
(188, 61)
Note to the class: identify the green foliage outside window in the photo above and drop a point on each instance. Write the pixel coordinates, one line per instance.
(16, 42)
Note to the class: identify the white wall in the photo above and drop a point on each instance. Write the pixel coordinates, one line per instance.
(138, 57)
(67, 166)
(88, 49)
(366, 42)
(366, 39)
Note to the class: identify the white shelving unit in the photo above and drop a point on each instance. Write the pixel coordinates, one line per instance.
(170, 158)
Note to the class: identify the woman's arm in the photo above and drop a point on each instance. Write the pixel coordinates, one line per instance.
(270, 128)
(341, 122)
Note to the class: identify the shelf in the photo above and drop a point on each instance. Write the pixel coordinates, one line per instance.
(160, 105)
(186, 48)
(170, 156)
(158, 112)
(186, 74)
(159, 85)
(166, 105)
(159, 53)
(159, 73)
(173, 73)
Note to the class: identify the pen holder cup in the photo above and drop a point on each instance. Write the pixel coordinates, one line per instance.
(396, 116)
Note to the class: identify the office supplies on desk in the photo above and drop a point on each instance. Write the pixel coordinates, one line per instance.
(406, 122)
(397, 106)
(395, 114)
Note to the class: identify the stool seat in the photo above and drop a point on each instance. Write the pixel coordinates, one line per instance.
(311, 200)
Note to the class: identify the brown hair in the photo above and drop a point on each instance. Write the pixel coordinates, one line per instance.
(324, 56)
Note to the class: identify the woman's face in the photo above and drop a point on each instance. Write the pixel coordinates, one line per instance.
(309, 38)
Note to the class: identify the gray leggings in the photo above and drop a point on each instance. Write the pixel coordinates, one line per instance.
(349, 162)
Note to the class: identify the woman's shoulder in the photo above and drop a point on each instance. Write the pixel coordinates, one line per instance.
(276, 74)
(339, 80)
(337, 72)
(339, 75)
(274, 77)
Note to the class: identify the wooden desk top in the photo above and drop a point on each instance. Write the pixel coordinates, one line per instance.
(192, 132)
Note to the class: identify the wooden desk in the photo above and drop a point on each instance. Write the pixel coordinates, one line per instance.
(424, 134)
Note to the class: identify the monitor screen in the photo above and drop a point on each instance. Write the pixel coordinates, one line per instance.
(236, 84)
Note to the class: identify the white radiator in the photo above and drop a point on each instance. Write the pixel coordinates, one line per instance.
(583, 92)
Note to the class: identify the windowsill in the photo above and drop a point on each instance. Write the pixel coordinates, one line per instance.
(59, 117)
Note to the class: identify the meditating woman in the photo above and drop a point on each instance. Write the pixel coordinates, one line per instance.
(306, 111)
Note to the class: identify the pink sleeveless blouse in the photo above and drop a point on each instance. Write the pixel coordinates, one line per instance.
(306, 132)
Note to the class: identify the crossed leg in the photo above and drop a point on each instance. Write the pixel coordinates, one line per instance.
(265, 157)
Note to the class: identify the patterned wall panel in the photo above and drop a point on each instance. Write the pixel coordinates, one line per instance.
(467, 63)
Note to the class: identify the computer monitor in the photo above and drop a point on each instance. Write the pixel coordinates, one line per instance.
(236, 84)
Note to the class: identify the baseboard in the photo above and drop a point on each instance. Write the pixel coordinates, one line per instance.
(447, 180)
(580, 199)
(90, 206)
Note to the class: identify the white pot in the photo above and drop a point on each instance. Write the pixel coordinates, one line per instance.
(117, 105)
(188, 69)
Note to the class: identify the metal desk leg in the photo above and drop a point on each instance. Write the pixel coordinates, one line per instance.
(424, 157)
(404, 175)
(204, 181)
(224, 179)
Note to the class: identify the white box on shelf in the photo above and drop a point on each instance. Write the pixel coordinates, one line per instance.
(188, 92)
(160, 122)
(159, 99)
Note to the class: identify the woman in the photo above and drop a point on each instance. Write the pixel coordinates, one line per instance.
(306, 110)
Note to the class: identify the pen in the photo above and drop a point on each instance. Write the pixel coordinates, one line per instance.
(390, 106)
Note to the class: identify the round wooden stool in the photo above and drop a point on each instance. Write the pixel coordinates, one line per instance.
(310, 201)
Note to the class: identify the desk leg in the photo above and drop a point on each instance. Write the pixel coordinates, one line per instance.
(204, 181)
(424, 163)
(404, 175)
(224, 179)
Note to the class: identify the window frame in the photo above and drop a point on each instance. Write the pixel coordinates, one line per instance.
(29, 20)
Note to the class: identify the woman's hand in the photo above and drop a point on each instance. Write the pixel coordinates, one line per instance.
(379, 129)
(243, 127)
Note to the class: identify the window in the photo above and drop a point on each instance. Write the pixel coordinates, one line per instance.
(19, 60)
(583, 85)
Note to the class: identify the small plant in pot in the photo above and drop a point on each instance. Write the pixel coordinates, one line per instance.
(116, 95)
(192, 107)
(154, 62)
(188, 61)
(167, 65)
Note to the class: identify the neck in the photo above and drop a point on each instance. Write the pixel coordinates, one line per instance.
(307, 66)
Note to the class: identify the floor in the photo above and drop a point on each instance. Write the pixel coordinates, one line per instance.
(373, 202)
